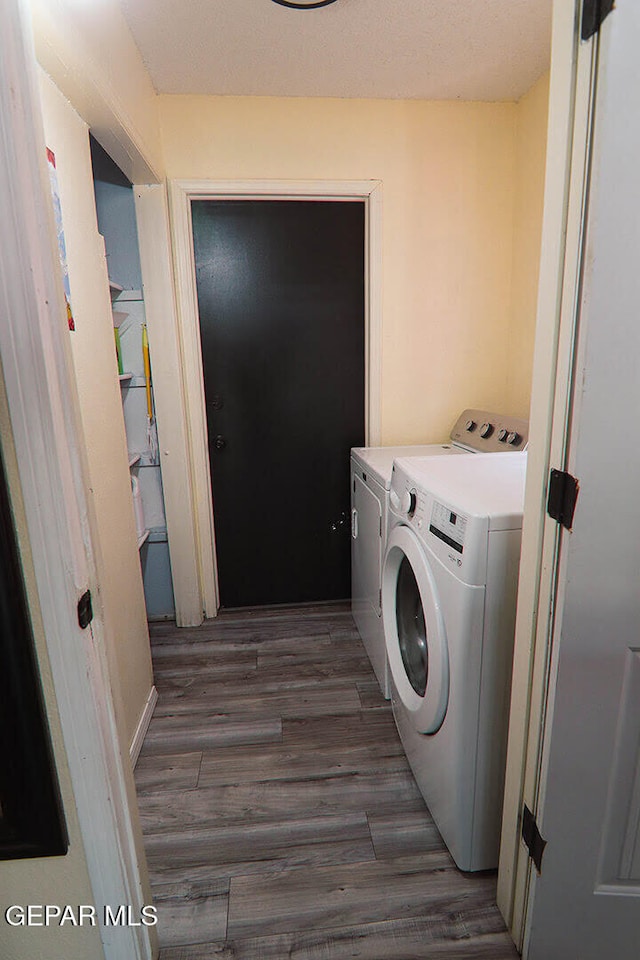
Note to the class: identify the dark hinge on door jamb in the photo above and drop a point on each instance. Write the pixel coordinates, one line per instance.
(532, 838)
(593, 13)
(85, 610)
(563, 494)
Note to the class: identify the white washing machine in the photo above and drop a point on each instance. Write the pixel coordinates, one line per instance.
(474, 431)
(448, 603)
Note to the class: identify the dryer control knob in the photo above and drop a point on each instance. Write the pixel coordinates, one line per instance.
(514, 438)
(486, 430)
(503, 435)
(409, 502)
(470, 426)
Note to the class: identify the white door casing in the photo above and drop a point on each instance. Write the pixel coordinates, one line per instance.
(585, 902)
(154, 238)
(568, 151)
(199, 514)
(44, 420)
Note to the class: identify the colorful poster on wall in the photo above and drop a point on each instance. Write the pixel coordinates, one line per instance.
(62, 250)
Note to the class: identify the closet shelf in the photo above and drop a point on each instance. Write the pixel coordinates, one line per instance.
(125, 377)
(129, 295)
(157, 535)
(143, 538)
(136, 381)
(115, 289)
(142, 459)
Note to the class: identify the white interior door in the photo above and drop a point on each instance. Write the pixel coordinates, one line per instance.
(44, 431)
(586, 902)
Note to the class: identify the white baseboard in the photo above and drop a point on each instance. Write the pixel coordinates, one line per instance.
(143, 726)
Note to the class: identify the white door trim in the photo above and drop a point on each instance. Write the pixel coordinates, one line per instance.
(181, 193)
(154, 241)
(35, 356)
(568, 147)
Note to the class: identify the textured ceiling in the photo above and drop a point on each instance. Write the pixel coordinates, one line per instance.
(430, 49)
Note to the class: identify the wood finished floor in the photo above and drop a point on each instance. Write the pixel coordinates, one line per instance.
(280, 816)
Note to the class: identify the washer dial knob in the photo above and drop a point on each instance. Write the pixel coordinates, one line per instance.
(409, 502)
(502, 435)
(470, 426)
(514, 438)
(486, 430)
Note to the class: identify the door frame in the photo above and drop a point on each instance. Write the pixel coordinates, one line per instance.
(598, 89)
(198, 511)
(541, 588)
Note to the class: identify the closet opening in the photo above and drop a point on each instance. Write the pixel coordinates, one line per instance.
(115, 209)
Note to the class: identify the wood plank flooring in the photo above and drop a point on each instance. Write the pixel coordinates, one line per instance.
(280, 816)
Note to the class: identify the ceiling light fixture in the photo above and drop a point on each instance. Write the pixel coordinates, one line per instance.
(304, 6)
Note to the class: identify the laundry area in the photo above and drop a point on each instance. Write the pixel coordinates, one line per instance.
(288, 820)
(314, 410)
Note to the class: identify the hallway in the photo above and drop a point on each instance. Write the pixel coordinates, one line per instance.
(280, 816)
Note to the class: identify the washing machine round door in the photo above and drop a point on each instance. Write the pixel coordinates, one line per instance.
(414, 631)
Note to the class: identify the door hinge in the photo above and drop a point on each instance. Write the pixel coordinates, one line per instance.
(563, 494)
(85, 610)
(532, 839)
(593, 13)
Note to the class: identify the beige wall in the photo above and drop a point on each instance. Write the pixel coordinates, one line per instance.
(54, 879)
(117, 558)
(448, 175)
(531, 145)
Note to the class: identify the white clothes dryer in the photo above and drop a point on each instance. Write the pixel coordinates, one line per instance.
(474, 431)
(448, 604)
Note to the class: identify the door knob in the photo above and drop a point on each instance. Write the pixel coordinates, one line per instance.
(336, 525)
(219, 442)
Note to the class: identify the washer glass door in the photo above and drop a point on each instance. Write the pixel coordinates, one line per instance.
(414, 630)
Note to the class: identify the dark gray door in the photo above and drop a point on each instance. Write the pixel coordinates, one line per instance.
(281, 301)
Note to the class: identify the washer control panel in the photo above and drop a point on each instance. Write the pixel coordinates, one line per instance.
(458, 540)
(448, 526)
(486, 432)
